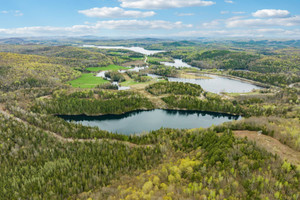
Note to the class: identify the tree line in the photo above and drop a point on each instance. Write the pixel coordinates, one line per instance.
(99, 102)
(176, 88)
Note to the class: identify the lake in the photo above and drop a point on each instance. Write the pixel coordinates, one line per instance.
(144, 121)
(217, 84)
(135, 49)
(178, 63)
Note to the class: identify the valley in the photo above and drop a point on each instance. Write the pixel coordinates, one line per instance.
(149, 120)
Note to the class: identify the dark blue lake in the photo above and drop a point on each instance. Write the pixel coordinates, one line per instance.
(144, 121)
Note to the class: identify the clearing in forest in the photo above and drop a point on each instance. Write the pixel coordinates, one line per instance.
(109, 67)
(271, 145)
(87, 81)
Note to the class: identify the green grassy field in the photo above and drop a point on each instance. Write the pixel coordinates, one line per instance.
(155, 59)
(256, 92)
(129, 83)
(109, 67)
(132, 82)
(141, 58)
(87, 81)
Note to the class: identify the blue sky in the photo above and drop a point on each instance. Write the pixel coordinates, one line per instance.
(151, 18)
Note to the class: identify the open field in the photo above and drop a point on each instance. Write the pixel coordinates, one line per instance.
(87, 81)
(129, 83)
(155, 59)
(271, 145)
(134, 63)
(109, 67)
(255, 92)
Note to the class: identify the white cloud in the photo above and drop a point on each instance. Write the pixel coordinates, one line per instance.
(272, 13)
(115, 12)
(241, 21)
(224, 12)
(238, 12)
(128, 25)
(291, 21)
(16, 13)
(163, 4)
(98, 28)
(43, 30)
(217, 23)
(212, 24)
(141, 24)
(228, 1)
(185, 14)
(253, 33)
(234, 12)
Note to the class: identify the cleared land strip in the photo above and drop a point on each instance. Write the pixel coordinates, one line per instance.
(156, 100)
(271, 145)
(71, 140)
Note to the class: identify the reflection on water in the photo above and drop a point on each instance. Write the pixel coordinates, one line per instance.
(140, 121)
(217, 84)
(177, 63)
(135, 49)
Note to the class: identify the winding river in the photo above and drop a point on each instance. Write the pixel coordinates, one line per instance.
(144, 121)
(215, 84)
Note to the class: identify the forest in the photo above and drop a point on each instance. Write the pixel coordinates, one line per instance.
(92, 103)
(174, 88)
(43, 156)
(210, 167)
(39, 166)
(273, 79)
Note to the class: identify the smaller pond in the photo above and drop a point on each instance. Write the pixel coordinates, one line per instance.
(144, 121)
(135, 69)
(102, 75)
(121, 87)
(177, 63)
(135, 49)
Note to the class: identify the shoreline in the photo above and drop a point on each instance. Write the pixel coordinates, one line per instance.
(256, 83)
(141, 110)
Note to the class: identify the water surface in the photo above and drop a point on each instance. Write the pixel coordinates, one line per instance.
(102, 75)
(217, 84)
(135, 49)
(177, 63)
(144, 121)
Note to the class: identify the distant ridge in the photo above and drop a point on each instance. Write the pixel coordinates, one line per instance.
(12, 41)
